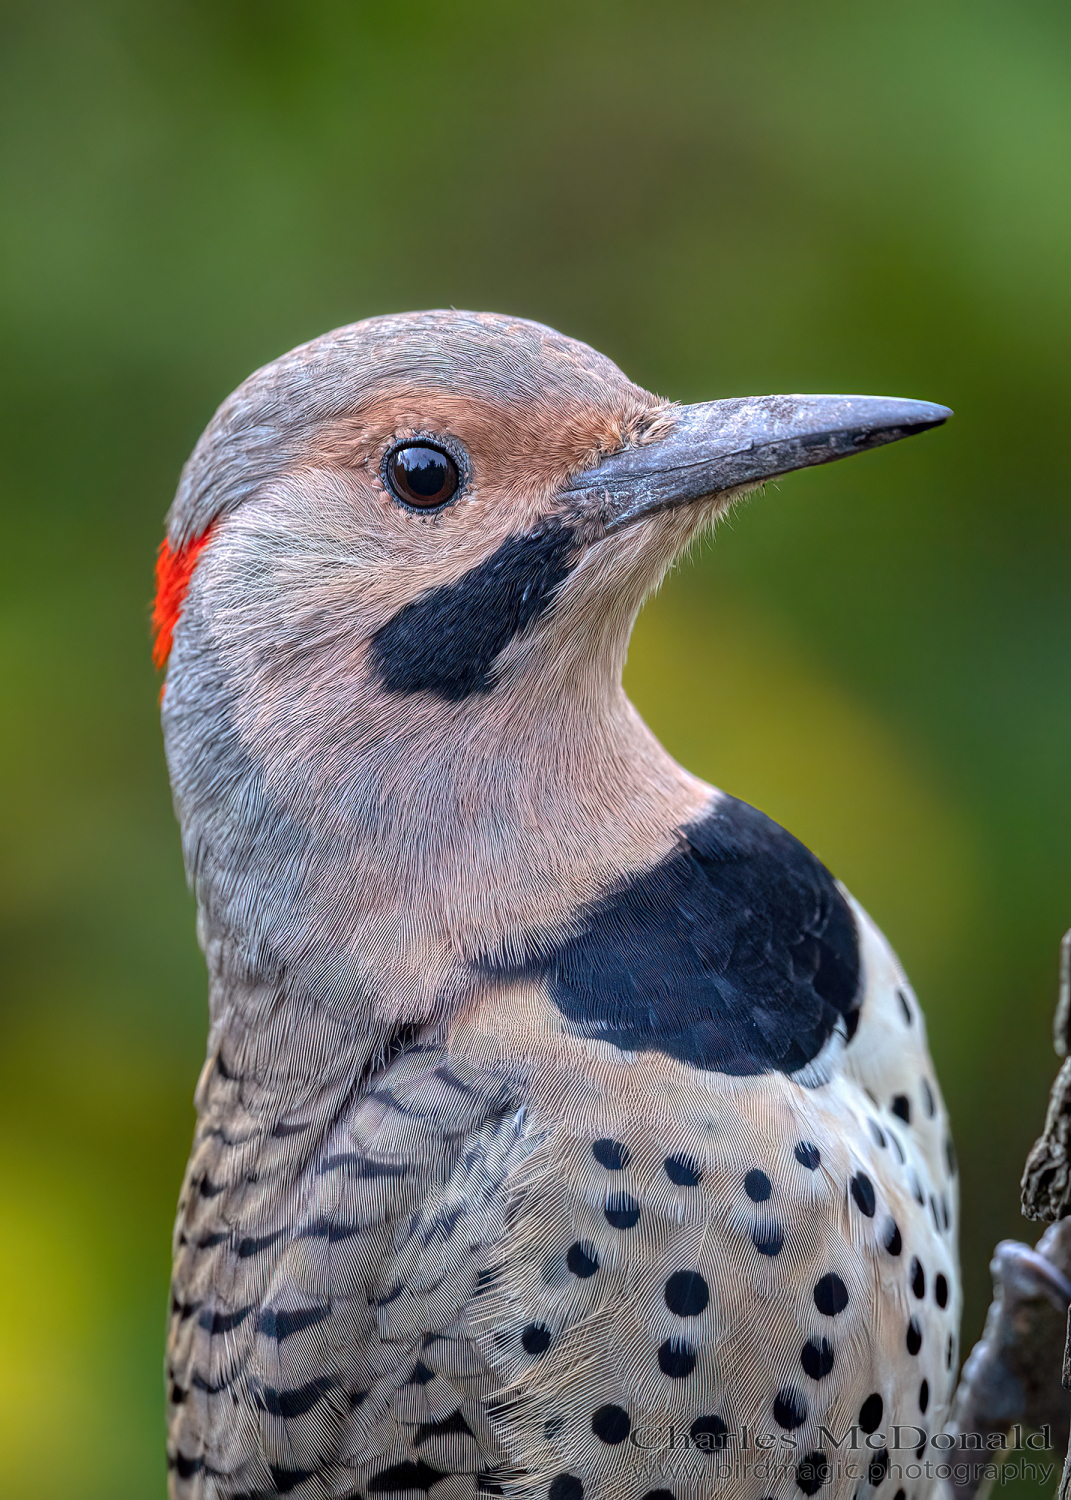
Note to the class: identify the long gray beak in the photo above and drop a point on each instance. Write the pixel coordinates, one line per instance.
(720, 445)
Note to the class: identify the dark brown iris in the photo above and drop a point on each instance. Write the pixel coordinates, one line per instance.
(422, 476)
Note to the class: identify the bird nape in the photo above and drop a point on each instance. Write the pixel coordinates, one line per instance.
(567, 1131)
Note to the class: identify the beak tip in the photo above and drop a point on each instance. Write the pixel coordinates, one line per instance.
(931, 413)
(875, 412)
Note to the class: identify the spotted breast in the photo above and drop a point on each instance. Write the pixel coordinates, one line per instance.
(529, 1258)
(715, 1282)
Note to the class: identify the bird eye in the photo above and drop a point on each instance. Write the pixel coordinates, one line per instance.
(422, 476)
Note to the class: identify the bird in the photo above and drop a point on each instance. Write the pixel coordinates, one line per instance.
(567, 1131)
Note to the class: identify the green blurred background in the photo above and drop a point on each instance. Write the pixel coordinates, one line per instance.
(725, 198)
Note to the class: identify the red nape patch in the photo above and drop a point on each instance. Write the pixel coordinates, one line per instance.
(173, 573)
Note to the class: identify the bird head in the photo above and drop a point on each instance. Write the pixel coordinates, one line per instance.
(397, 589)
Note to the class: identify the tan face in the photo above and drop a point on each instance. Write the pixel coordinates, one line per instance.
(311, 571)
(512, 461)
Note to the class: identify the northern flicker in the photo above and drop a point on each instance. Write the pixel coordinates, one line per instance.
(567, 1131)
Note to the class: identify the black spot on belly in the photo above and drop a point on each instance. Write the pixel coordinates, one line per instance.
(676, 1359)
(808, 1156)
(710, 1434)
(220, 1322)
(817, 1358)
(281, 1322)
(736, 953)
(914, 1337)
(830, 1295)
(768, 1239)
(789, 1409)
(892, 1239)
(863, 1193)
(683, 1171)
(687, 1294)
(622, 1211)
(812, 1473)
(901, 1106)
(444, 1427)
(927, 1098)
(535, 1338)
(757, 1186)
(446, 640)
(611, 1424)
(490, 1276)
(582, 1260)
(254, 1244)
(918, 1277)
(940, 1289)
(877, 1133)
(659, 1495)
(405, 1476)
(565, 1487)
(924, 1395)
(871, 1412)
(611, 1154)
(879, 1467)
(285, 1480)
(292, 1403)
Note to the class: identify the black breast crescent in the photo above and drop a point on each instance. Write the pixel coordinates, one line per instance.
(737, 953)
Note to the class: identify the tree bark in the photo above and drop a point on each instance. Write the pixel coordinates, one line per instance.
(1020, 1369)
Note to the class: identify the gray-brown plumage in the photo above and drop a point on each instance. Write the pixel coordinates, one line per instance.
(566, 1130)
